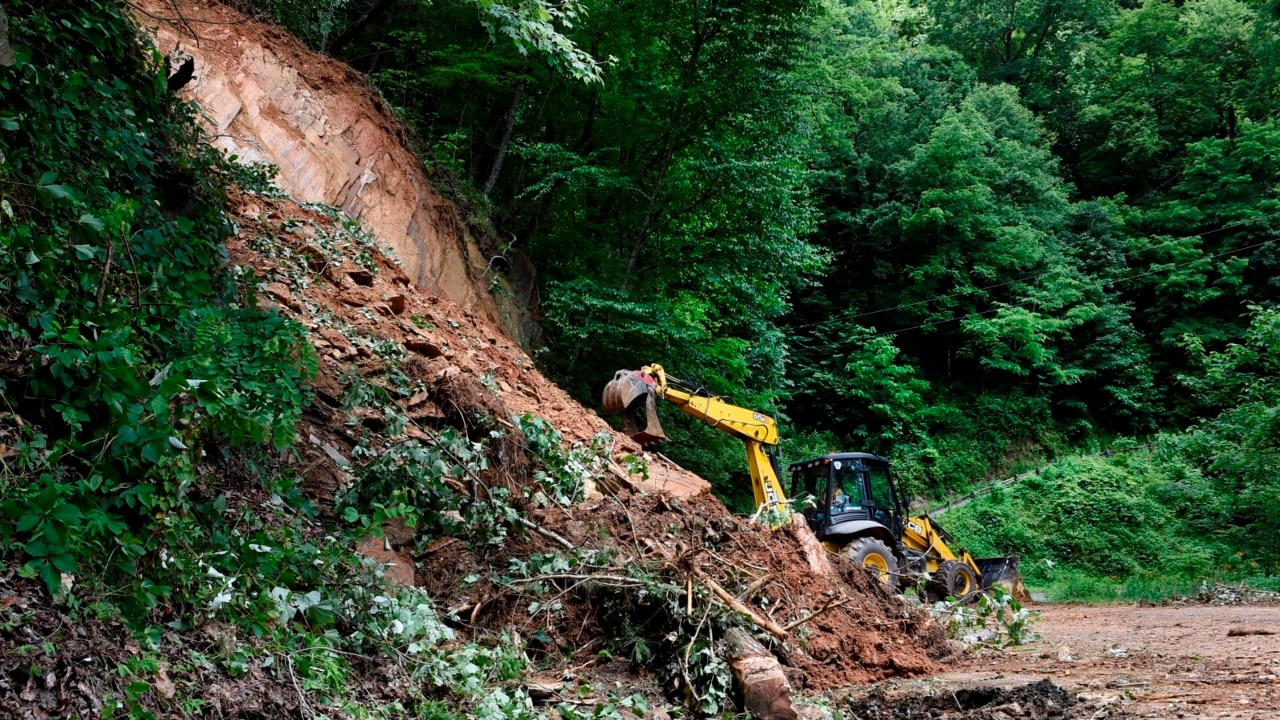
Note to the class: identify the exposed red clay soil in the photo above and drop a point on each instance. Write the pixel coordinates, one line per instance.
(266, 97)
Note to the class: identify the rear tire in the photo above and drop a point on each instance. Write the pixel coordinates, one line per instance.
(956, 579)
(872, 554)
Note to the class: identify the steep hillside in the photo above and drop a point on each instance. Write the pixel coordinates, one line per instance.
(266, 98)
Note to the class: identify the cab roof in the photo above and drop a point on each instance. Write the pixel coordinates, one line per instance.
(838, 456)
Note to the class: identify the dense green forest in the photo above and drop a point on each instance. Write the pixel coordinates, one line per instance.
(969, 235)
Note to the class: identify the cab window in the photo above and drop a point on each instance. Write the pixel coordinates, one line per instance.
(883, 508)
(811, 480)
(847, 493)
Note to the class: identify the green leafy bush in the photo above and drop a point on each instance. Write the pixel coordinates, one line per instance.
(1131, 519)
(130, 344)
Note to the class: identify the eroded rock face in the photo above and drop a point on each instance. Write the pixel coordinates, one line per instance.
(267, 98)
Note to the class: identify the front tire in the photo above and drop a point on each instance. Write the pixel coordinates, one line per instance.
(872, 554)
(956, 579)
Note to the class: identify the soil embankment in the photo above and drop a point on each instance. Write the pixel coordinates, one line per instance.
(267, 98)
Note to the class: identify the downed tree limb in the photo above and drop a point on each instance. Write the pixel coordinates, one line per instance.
(816, 613)
(600, 579)
(814, 554)
(762, 622)
(755, 587)
(545, 532)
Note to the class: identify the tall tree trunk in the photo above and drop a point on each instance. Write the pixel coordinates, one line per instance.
(379, 8)
(506, 140)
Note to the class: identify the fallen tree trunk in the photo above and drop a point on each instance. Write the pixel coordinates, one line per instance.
(813, 552)
(766, 694)
(761, 621)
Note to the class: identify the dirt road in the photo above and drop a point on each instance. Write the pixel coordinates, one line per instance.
(1179, 661)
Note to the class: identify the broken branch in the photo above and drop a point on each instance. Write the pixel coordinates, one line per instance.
(545, 532)
(754, 588)
(816, 613)
(758, 620)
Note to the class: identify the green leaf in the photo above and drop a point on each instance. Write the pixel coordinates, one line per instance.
(32, 258)
(27, 522)
(93, 222)
(62, 192)
(64, 562)
(84, 252)
(67, 513)
(8, 123)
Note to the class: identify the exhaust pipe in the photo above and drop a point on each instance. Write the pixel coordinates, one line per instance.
(631, 393)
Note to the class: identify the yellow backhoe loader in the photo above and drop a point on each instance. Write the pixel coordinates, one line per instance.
(856, 509)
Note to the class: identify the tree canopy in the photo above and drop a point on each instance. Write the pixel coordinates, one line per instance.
(958, 232)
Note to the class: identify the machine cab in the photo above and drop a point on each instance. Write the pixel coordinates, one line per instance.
(849, 491)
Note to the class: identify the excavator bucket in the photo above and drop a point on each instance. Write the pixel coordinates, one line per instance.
(1003, 571)
(631, 393)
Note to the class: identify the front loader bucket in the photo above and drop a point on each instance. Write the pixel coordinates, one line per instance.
(1003, 571)
(631, 394)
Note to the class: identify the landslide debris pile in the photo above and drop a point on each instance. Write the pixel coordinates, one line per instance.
(633, 572)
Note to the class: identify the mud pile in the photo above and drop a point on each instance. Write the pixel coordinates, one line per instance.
(840, 630)
(1037, 701)
(359, 312)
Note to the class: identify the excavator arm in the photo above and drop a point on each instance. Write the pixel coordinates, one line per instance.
(633, 393)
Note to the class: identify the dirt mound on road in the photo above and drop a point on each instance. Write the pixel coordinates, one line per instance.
(856, 631)
(1038, 701)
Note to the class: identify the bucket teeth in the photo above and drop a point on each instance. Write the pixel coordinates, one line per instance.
(1003, 571)
(630, 394)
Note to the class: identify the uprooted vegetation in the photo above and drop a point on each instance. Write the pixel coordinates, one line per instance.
(294, 486)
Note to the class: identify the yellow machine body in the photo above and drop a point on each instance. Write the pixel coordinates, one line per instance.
(634, 393)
